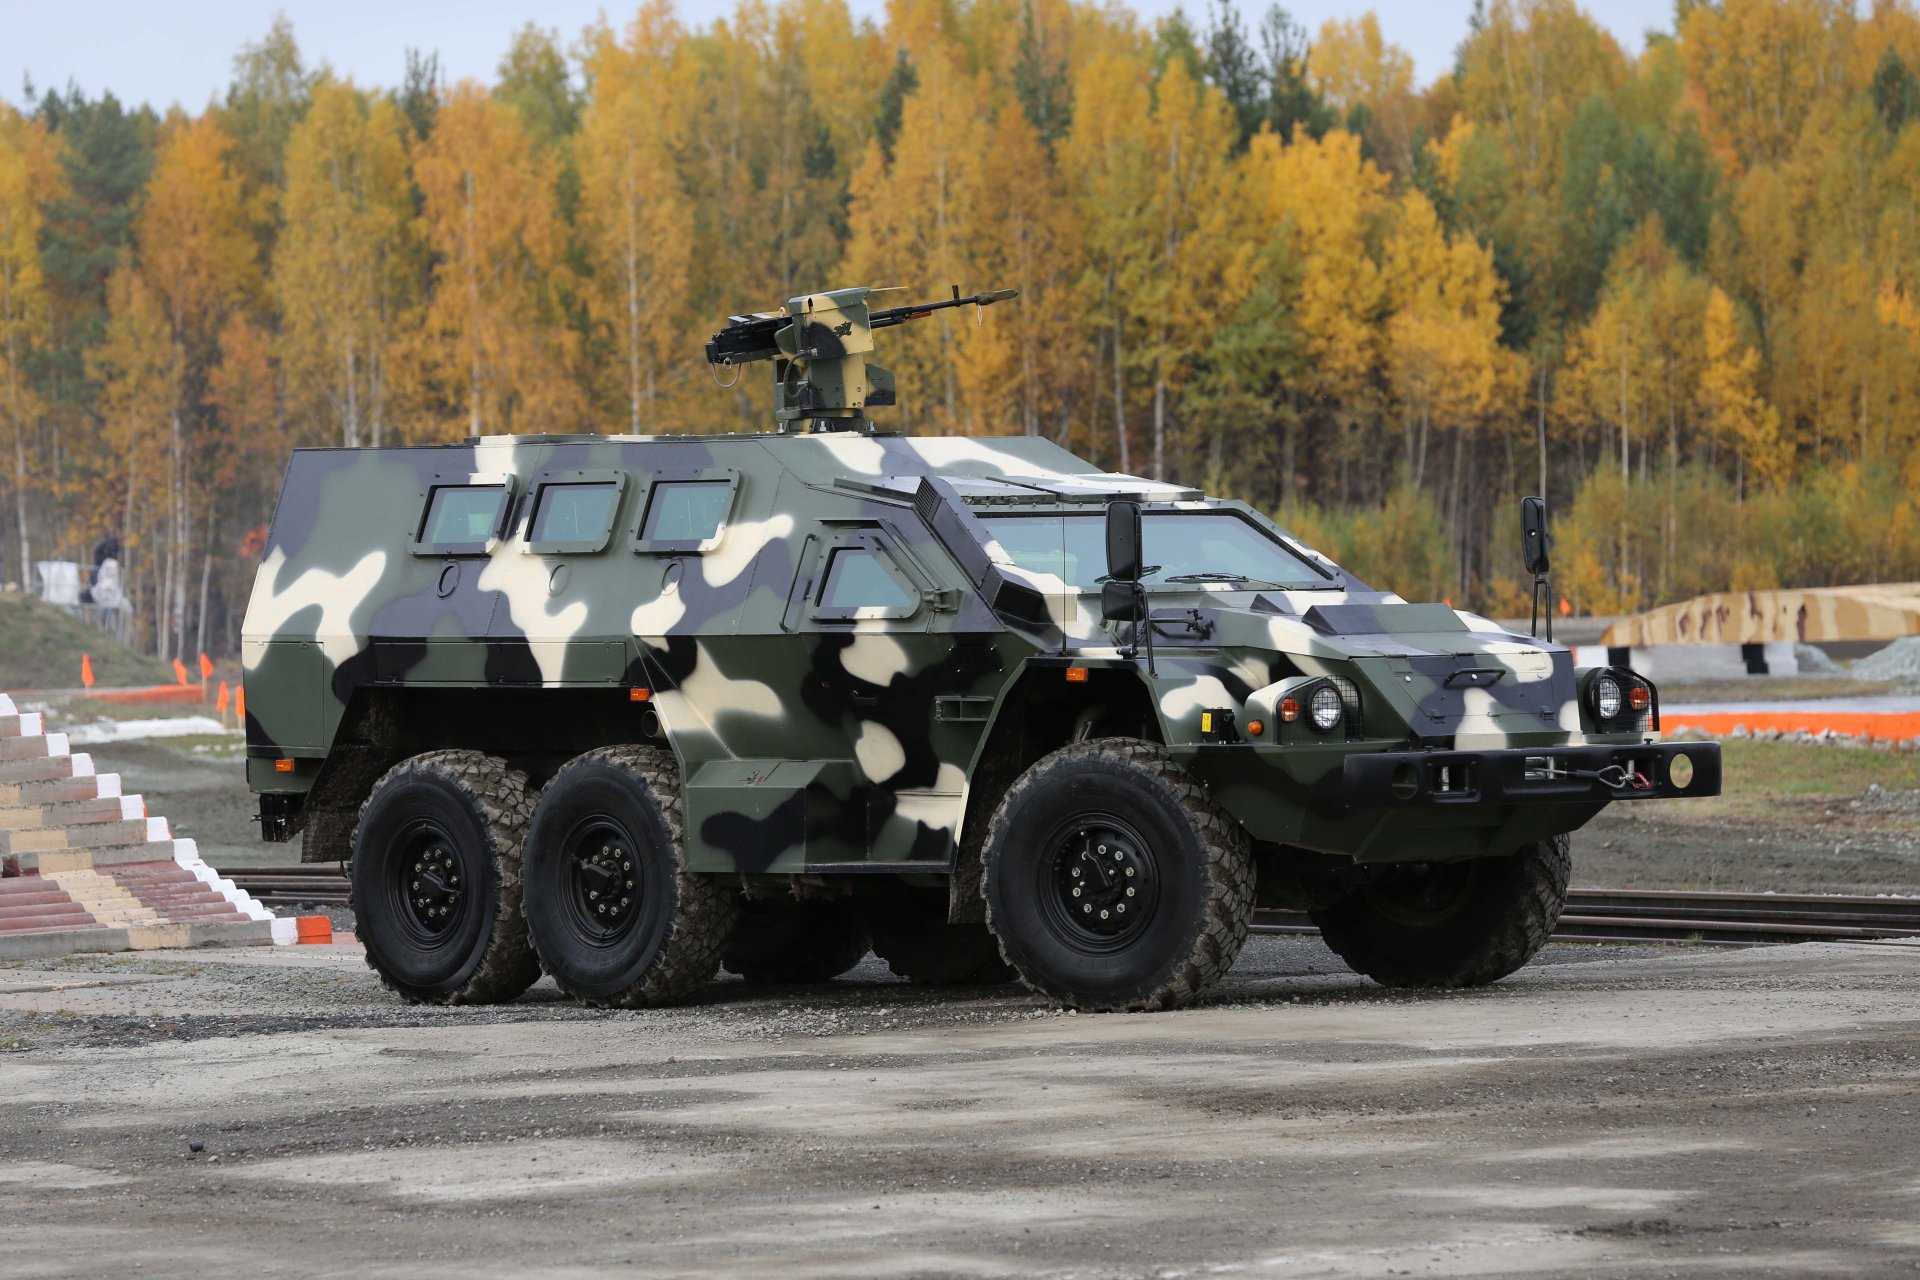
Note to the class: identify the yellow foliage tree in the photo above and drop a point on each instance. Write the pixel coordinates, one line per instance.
(494, 354)
(1353, 66)
(1730, 398)
(1332, 206)
(635, 218)
(339, 268)
(1105, 164)
(1444, 360)
(911, 224)
(1019, 368)
(28, 180)
(1763, 66)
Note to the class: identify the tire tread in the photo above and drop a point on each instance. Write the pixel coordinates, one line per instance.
(1229, 858)
(499, 793)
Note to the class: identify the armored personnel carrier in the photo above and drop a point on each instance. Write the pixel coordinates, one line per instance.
(626, 708)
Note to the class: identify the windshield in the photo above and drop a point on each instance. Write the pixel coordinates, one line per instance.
(1182, 547)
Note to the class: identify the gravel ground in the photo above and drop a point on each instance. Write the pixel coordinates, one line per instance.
(1609, 1111)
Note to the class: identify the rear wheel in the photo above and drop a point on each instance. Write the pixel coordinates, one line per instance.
(780, 940)
(1451, 924)
(616, 916)
(436, 879)
(1114, 881)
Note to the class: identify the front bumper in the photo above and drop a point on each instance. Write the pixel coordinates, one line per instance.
(1529, 775)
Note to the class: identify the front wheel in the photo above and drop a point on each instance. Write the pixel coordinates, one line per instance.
(1114, 881)
(616, 916)
(1451, 924)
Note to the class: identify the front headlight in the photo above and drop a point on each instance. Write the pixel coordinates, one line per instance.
(1325, 707)
(1606, 697)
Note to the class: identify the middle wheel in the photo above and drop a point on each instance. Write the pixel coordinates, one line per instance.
(613, 911)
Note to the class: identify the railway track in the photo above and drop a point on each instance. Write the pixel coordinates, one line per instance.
(1592, 915)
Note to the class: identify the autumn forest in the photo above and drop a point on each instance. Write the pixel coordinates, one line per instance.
(1677, 291)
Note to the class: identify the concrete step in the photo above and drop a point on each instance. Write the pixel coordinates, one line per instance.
(45, 768)
(84, 786)
(38, 747)
(91, 835)
(44, 943)
(99, 857)
(24, 724)
(33, 910)
(71, 813)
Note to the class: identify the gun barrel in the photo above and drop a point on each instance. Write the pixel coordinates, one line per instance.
(900, 315)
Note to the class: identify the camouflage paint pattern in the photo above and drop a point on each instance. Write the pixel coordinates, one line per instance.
(814, 741)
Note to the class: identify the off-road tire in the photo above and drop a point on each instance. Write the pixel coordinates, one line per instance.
(1485, 929)
(780, 940)
(479, 808)
(913, 936)
(1198, 859)
(671, 945)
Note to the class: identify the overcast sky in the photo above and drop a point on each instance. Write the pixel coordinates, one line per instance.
(164, 53)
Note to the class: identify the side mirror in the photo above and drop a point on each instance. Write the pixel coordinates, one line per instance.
(1534, 542)
(1120, 601)
(1123, 543)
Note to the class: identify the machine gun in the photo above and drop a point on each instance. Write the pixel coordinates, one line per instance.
(819, 345)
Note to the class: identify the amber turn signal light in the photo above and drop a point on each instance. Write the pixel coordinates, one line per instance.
(1076, 675)
(283, 766)
(1255, 728)
(639, 695)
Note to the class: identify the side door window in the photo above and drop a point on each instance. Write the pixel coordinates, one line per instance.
(855, 576)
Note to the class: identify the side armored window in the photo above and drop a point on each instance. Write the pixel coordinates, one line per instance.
(462, 516)
(575, 513)
(686, 510)
(856, 579)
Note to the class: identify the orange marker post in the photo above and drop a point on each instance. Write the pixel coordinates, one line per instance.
(226, 696)
(240, 705)
(86, 670)
(206, 668)
(1566, 610)
(180, 672)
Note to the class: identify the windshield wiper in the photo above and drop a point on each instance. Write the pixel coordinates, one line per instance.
(1146, 571)
(1224, 577)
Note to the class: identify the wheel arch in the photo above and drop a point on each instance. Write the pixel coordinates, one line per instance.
(1038, 712)
(536, 730)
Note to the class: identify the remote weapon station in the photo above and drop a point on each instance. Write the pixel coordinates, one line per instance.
(632, 709)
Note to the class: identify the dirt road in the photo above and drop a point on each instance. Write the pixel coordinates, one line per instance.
(1648, 1111)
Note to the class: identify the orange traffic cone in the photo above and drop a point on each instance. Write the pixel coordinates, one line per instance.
(86, 670)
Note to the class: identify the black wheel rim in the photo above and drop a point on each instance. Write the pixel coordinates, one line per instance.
(1421, 894)
(602, 889)
(1099, 884)
(428, 886)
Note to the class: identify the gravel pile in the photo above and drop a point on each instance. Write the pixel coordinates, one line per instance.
(1813, 661)
(1879, 799)
(1898, 661)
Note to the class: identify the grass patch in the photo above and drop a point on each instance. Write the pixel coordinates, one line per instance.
(1772, 689)
(1789, 782)
(40, 648)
